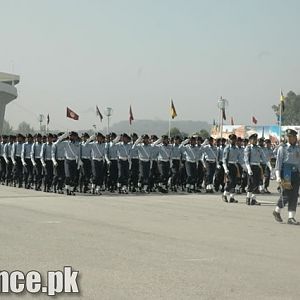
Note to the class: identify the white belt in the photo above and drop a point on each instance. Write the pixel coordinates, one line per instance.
(175, 158)
(113, 159)
(98, 159)
(232, 162)
(123, 158)
(255, 164)
(164, 160)
(134, 158)
(144, 159)
(211, 160)
(68, 158)
(85, 157)
(60, 159)
(191, 161)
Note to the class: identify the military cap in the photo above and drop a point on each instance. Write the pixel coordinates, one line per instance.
(29, 135)
(134, 135)
(49, 135)
(261, 139)
(210, 138)
(154, 137)
(177, 137)
(99, 134)
(267, 141)
(85, 134)
(164, 137)
(145, 136)
(126, 135)
(192, 137)
(73, 133)
(253, 136)
(232, 137)
(38, 135)
(239, 139)
(4, 136)
(113, 134)
(291, 132)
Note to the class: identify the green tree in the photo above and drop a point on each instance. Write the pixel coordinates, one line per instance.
(25, 128)
(291, 113)
(203, 133)
(7, 128)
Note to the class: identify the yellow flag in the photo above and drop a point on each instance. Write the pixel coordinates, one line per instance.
(173, 110)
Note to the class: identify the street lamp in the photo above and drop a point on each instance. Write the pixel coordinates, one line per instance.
(108, 112)
(222, 104)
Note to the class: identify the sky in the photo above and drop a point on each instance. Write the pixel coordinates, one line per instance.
(115, 53)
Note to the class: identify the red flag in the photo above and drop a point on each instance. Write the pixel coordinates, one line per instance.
(232, 123)
(98, 113)
(130, 115)
(254, 120)
(223, 114)
(71, 114)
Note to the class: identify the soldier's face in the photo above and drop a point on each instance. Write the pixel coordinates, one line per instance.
(292, 139)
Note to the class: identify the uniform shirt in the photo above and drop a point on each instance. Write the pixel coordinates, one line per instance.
(111, 151)
(191, 153)
(86, 150)
(16, 149)
(58, 151)
(2, 148)
(164, 152)
(46, 151)
(72, 149)
(220, 153)
(268, 153)
(35, 151)
(210, 153)
(175, 153)
(154, 152)
(26, 151)
(288, 154)
(253, 155)
(241, 150)
(144, 151)
(134, 153)
(98, 151)
(231, 154)
(7, 150)
(123, 150)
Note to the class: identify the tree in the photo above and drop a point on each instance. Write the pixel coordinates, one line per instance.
(291, 113)
(175, 131)
(25, 128)
(7, 128)
(203, 133)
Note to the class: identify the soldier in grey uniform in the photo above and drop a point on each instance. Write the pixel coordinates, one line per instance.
(46, 160)
(58, 159)
(4, 140)
(269, 154)
(253, 157)
(35, 156)
(86, 168)
(211, 162)
(145, 161)
(26, 161)
(231, 158)
(175, 163)
(111, 158)
(16, 160)
(164, 158)
(134, 166)
(154, 171)
(219, 173)
(287, 172)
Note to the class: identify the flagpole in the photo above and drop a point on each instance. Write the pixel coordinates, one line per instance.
(280, 118)
(170, 120)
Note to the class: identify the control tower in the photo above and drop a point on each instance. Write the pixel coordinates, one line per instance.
(8, 93)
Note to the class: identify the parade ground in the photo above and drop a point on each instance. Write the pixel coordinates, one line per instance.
(152, 246)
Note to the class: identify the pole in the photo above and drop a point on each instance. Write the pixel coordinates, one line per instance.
(221, 134)
(108, 124)
(169, 127)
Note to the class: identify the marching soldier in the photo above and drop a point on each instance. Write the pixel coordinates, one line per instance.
(211, 162)
(46, 160)
(17, 162)
(86, 168)
(269, 154)
(154, 171)
(26, 161)
(231, 158)
(287, 175)
(175, 163)
(219, 174)
(200, 168)
(2, 160)
(58, 159)
(145, 161)
(253, 157)
(35, 156)
(134, 167)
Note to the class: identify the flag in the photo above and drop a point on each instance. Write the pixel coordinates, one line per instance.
(254, 120)
(130, 115)
(98, 113)
(232, 123)
(71, 114)
(282, 101)
(214, 122)
(48, 119)
(223, 114)
(173, 110)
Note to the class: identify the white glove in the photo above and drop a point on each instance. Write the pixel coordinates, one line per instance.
(278, 178)
(24, 164)
(226, 171)
(250, 173)
(185, 141)
(14, 163)
(34, 164)
(44, 165)
(218, 166)
(80, 163)
(269, 166)
(108, 162)
(55, 164)
(206, 142)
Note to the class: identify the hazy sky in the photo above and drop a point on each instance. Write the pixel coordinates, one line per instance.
(80, 53)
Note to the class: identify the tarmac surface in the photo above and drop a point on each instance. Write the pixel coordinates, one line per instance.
(152, 246)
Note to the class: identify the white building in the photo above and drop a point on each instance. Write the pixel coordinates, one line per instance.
(8, 92)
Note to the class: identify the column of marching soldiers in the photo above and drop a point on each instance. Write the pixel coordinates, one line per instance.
(67, 163)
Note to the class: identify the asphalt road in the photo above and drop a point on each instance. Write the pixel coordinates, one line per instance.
(152, 247)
